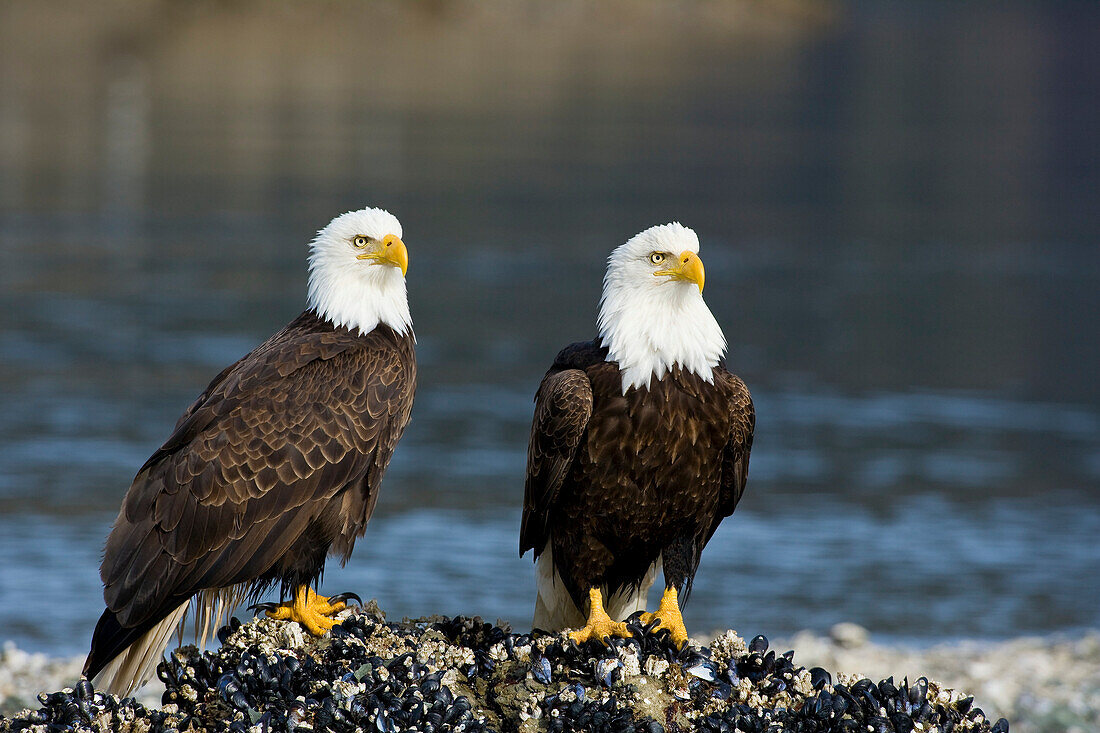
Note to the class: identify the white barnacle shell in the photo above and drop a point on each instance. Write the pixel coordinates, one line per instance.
(655, 666)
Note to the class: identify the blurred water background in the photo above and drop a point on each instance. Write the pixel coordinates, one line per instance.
(898, 210)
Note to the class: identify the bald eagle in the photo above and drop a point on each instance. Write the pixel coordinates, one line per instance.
(639, 446)
(275, 465)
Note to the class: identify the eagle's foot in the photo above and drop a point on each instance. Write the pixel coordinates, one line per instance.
(599, 625)
(668, 617)
(310, 610)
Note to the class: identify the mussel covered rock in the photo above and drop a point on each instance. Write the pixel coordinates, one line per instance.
(439, 675)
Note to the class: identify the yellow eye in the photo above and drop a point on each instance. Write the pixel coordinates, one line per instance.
(360, 241)
(657, 258)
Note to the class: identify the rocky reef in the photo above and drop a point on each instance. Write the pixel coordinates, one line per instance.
(461, 674)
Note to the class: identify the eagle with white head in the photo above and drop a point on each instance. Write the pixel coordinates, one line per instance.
(639, 446)
(277, 464)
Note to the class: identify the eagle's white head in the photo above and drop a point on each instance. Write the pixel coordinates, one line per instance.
(652, 313)
(357, 270)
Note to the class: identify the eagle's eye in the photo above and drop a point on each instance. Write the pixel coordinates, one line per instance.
(360, 241)
(657, 258)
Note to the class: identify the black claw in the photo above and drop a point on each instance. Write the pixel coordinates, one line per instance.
(343, 598)
(257, 607)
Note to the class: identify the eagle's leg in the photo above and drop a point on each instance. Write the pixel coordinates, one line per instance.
(669, 617)
(309, 609)
(599, 625)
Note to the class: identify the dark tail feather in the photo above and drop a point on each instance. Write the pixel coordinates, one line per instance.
(109, 640)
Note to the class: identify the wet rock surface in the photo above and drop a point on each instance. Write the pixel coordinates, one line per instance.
(461, 674)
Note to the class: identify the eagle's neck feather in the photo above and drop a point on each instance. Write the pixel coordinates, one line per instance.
(648, 330)
(360, 300)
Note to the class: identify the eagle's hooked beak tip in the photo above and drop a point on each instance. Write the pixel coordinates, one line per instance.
(391, 251)
(689, 269)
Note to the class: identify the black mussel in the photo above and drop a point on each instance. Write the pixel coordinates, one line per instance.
(84, 690)
(383, 724)
(540, 669)
(752, 667)
(902, 723)
(918, 691)
(164, 673)
(703, 668)
(861, 685)
(485, 663)
(759, 644)
(820, 677)
(1001, 726)
(431, 684)
(964, 705)
(878, 724)
(71, 712)
(866, 694)
(227, 685)
(722, 690)
(663, 639)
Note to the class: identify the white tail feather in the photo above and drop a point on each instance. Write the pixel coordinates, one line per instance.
(135, 665)
(555, 610)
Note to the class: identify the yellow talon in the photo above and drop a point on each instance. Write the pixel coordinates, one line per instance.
(599, 625)
(308, 609)
(669, 617)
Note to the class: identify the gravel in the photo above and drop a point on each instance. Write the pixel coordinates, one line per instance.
(461, 674)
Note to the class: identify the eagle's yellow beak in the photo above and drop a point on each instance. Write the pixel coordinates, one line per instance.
(391, 251)
(689, 268)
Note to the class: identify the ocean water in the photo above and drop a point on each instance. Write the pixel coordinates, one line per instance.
(898, 224)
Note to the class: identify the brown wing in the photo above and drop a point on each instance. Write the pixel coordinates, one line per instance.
(272, 440)
(563, 405)
(735, 457)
